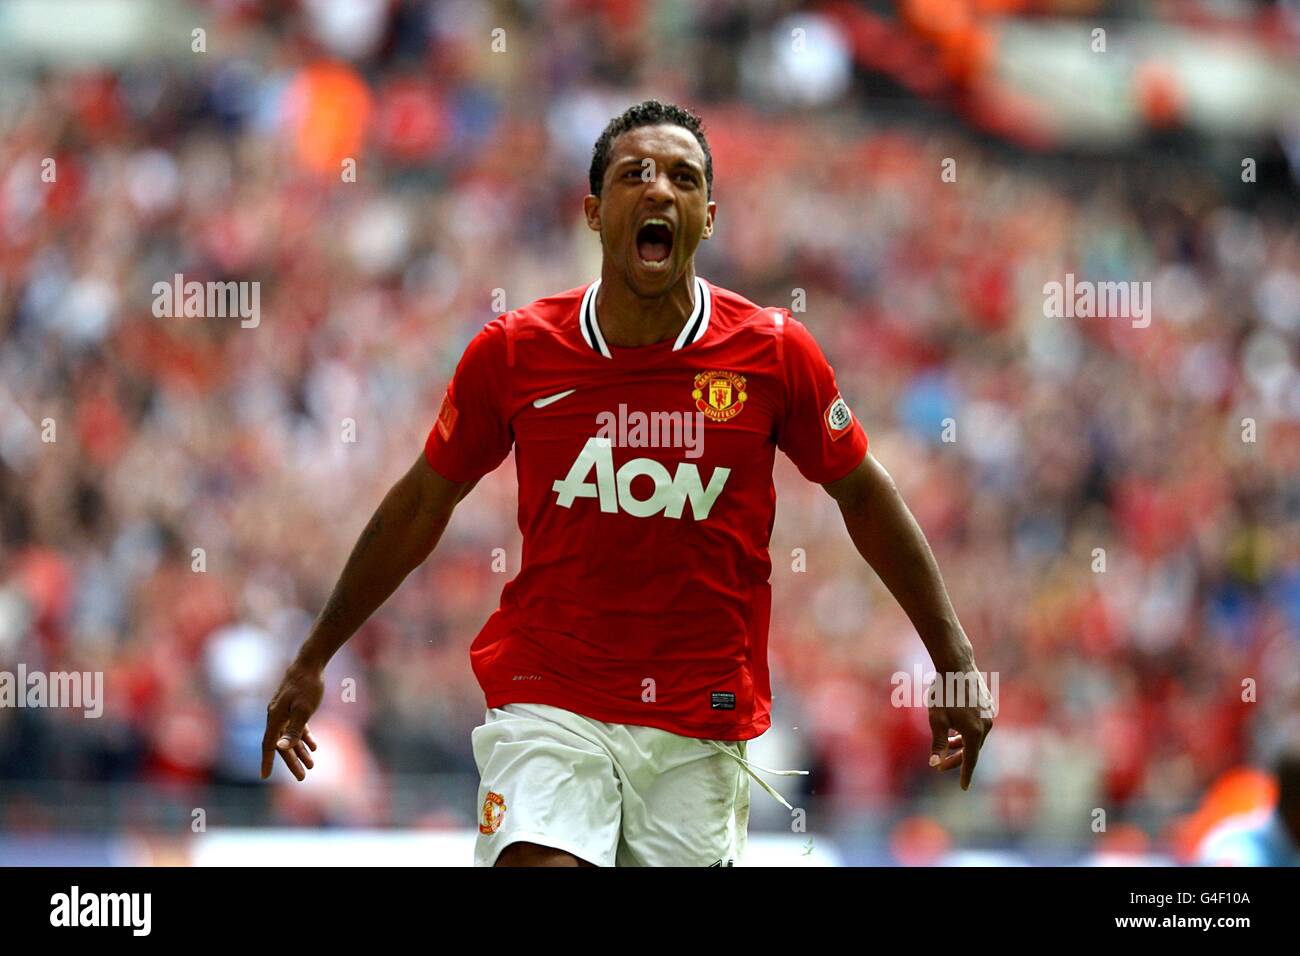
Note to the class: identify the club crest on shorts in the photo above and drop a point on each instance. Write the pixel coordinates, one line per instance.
(719, 395)
(494, 811)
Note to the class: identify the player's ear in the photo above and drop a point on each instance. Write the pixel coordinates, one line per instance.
(708, 219)
(591, 210)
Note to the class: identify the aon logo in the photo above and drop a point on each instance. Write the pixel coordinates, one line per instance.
(614, 489)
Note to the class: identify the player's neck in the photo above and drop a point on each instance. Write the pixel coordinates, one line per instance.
(628, 320)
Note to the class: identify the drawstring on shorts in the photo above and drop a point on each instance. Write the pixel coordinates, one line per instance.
(751, 767)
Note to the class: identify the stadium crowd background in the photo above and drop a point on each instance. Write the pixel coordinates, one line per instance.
(1120, 690)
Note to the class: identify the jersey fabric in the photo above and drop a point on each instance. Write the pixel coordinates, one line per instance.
(646, 502)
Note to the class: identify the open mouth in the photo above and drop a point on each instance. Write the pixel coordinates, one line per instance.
(654, 243)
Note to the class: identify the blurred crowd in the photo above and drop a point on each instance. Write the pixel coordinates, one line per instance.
(1116, 509)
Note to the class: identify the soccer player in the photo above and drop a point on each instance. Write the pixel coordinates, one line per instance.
(627, 664)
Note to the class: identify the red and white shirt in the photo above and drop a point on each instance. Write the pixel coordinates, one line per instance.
(646, 503)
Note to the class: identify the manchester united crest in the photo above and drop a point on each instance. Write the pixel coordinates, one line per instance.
(494, 811)
(720, 396)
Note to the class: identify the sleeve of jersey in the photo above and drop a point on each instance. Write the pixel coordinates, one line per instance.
(471, 435)
(819, 433)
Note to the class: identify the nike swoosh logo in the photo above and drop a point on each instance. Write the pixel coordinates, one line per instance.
(543, 402)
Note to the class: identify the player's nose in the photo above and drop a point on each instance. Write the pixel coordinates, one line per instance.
(659, 188)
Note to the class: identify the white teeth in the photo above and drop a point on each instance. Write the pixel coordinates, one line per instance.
(663, 263)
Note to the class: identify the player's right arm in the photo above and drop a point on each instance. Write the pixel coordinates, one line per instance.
(401, 534)
(471, 437)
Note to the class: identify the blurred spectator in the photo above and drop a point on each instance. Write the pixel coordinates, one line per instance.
(1266, 837)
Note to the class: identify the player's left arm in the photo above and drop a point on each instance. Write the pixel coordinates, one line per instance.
(822, 436)
(890, 540)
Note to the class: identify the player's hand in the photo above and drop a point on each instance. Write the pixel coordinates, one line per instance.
(958, 732)
(287, 733)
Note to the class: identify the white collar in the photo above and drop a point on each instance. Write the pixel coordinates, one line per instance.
(691, 333)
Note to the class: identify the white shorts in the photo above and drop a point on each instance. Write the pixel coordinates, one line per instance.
(610, 794)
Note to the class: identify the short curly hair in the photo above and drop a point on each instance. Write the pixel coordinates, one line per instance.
(647, 113)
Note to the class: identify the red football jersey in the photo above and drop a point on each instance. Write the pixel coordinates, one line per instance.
(646, 503)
